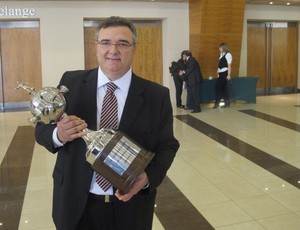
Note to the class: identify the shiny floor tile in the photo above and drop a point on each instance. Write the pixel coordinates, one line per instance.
(262, 206)
(251, 225)
(275, 120)
(287, 221)
(213, 181)
(272, 164)
(14, 171)
(225, 213)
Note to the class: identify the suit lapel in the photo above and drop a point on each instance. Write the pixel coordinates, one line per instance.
(134, 102)
(90, 98)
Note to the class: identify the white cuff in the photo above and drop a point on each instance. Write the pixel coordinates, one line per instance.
(56, 142)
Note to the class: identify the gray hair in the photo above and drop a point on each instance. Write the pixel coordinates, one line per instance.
(115, 21)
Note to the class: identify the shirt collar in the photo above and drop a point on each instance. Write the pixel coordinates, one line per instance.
(123, 82)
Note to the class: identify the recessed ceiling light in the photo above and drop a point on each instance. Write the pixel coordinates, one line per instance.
(288, 3)
(271, 3)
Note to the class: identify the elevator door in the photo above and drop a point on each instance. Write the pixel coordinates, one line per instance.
(272, 56)
(20, 55)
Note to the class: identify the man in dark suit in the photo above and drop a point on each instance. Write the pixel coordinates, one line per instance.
(178, 80)
(144, 113)
(193, 78)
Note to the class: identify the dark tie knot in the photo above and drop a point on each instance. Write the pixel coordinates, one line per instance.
(111, 87)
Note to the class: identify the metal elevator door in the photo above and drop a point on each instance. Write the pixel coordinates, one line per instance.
(272, 49)
(20, 60)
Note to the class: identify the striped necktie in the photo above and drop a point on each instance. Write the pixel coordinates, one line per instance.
(108, 119)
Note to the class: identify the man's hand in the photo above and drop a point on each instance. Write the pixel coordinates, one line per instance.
(139, 184)
(70, 128)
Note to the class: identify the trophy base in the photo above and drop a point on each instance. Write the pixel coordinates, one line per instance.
(120, 161)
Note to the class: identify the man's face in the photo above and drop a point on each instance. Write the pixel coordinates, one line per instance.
(114, 60)
(184, 57)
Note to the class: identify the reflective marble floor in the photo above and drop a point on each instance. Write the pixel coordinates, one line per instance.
(237, 168)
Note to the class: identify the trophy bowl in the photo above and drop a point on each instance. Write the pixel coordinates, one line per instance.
(47, 105)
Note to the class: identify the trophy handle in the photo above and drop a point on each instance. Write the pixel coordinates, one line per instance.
(25, 86)
(63, 89)
(34, 120)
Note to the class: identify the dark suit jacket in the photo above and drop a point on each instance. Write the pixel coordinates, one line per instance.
(147, 118)
(193, 72)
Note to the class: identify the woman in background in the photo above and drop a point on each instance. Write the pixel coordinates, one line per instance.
(224, 75)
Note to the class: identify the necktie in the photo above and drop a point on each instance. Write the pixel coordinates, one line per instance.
(108, 119)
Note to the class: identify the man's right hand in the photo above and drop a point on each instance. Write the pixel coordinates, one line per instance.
(70, 128)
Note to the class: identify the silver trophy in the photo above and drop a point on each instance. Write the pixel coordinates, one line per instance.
(112, 154)
(46, 105)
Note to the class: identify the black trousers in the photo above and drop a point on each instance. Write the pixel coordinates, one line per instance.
(221, 88)
(178, 87)
(194, 92)
(135, 214)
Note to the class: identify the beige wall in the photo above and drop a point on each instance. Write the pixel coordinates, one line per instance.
(62, 30)
(61, 26)
(284, 13)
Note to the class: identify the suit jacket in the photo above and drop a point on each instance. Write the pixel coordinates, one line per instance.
(147, 118)
(193, 72)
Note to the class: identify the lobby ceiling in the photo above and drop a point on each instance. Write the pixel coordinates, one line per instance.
(275, 2)
(256, 2)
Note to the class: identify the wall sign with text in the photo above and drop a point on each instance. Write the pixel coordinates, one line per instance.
(6, 11)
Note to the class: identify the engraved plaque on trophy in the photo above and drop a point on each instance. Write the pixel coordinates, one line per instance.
(117, 157)
(112, 154)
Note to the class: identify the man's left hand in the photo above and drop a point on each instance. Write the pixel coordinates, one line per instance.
(139, 184)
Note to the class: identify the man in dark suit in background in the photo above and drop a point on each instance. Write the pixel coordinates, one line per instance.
(178, 80)
(193, 79)
(144, 113)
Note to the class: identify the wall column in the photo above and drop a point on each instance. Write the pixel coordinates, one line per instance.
(213, 22)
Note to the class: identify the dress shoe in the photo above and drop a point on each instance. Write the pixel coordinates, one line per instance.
(181, 106)
(225, 106)
(215, 106)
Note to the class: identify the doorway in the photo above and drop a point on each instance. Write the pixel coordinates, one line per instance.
(272, 56)
(20, 56)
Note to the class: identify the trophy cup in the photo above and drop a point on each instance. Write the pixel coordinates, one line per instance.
(47, 105)
(112, 154)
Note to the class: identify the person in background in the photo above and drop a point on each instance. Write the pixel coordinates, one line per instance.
(193, 78)
(144, 113)
(224, 75)
(178, 80)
